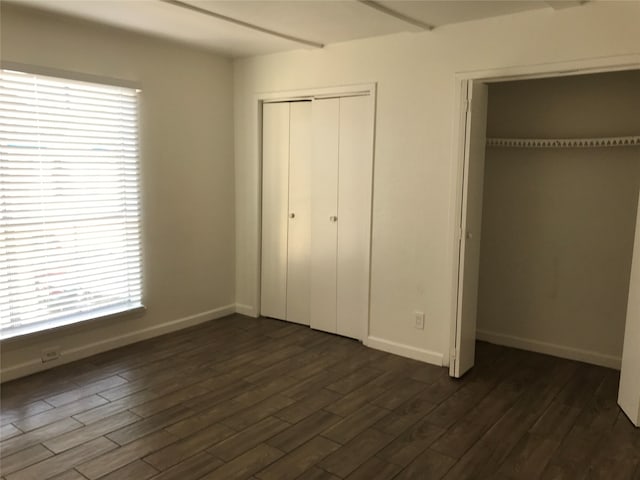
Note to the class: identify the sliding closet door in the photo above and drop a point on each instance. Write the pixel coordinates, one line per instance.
(354, 213)
(275, 193)
(299, 213)
(324, 214)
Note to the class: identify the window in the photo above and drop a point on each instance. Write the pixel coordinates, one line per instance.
(69, 202)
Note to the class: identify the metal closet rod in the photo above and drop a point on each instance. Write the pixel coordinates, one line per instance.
(594, 142)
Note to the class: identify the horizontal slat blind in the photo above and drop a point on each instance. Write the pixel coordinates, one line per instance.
(69, 202)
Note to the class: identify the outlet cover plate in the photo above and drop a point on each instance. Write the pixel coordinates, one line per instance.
(50, 354)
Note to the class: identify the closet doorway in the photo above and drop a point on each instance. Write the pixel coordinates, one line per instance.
(547, 225)
(316, 192)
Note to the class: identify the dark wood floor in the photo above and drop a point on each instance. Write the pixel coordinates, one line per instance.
(263, 399)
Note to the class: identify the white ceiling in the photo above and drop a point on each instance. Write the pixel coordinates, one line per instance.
(220, 25)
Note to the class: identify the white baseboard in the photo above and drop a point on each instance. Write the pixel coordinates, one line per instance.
(73, 354)
(587, 356)
(403, 350)
(247, 310)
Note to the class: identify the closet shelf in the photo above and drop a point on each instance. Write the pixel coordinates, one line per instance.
(564, 142)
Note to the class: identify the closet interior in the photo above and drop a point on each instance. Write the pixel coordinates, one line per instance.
(317, 167)
(561, 183)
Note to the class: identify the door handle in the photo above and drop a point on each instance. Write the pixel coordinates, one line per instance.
(333, 218)
(292, 215)
(469, 235)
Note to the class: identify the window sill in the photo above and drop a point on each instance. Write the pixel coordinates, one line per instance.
(63, 323)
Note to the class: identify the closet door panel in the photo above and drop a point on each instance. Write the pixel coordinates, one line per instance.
(354, 213)
(629, 391)
(275, 193)
(471, 226)
(299, 213)
(324, 212)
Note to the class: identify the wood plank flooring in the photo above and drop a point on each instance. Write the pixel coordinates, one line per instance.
(243, 398)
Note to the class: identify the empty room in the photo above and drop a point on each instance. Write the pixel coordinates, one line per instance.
(319, 239)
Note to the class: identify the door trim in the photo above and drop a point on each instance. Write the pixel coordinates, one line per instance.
(522, 72)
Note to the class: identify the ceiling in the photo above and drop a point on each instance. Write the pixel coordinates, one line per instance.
(240, 28)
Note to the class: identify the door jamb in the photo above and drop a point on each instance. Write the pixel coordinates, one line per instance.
(527, 72)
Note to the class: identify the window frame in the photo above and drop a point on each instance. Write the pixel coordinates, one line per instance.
(105, 313)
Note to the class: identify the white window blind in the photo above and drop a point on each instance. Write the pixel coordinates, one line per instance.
(69, 202)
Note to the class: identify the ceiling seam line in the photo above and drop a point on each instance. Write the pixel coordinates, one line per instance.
(251, 26)
(393, 13)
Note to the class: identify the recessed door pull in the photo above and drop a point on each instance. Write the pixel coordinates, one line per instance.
(292, 215)
(333, 218)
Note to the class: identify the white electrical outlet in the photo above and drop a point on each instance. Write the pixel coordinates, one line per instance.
(50, 354)
(419, 317)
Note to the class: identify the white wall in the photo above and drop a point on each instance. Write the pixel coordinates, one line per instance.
(186, 143)
(415, 173)
(558, 224)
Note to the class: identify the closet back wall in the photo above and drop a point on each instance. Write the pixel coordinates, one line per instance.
(558, 224)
